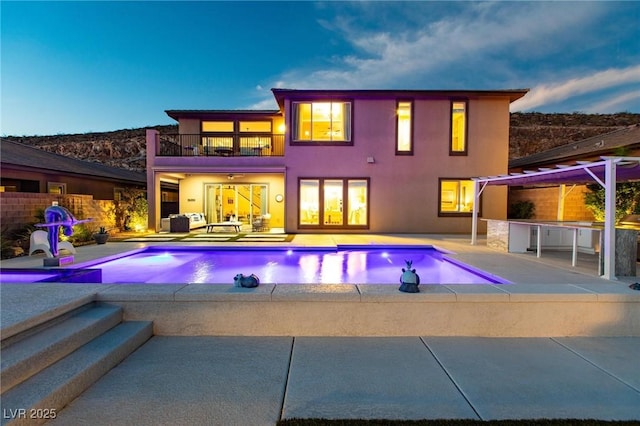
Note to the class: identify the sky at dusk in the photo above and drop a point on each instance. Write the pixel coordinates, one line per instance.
(76, 67)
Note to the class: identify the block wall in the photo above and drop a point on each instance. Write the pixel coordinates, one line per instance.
(546, 202)
(20, 208)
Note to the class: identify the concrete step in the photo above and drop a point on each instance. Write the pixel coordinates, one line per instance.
(48, 391)
(27, 355)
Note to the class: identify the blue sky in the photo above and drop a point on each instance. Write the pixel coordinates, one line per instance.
(76, 67)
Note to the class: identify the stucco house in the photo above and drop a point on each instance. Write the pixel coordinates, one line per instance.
(339, 160)
(32, 170)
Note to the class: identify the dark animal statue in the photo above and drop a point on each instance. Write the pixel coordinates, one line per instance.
(246, 281)
(409, 280)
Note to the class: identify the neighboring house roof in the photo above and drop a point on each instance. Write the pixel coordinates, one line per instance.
(281, 94)
(18, 154)
(595, 146)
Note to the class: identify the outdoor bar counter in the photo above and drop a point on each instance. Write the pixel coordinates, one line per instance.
(516, 236)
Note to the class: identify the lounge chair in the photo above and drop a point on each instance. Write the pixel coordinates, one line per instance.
(39, 241)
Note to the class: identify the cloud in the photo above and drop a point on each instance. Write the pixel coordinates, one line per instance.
(615, 104)
(268, 104)
(461, 46)
(550, 93)
(444, 48)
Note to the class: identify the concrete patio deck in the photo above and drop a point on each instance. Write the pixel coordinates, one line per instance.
(255, 379)
(259, 380)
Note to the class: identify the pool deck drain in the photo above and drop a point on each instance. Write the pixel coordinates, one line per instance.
(243, 379)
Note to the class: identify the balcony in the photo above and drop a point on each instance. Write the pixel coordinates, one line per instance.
(222, 145)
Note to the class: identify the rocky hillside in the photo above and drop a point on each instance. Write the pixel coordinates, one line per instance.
(121, 148)
(534, 132)
(530, 133)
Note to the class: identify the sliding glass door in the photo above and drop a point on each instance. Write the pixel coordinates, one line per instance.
(244, 202)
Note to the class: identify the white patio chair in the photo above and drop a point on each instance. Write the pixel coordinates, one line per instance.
(39, 241)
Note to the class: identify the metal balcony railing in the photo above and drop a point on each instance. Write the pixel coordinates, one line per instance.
(222, 145)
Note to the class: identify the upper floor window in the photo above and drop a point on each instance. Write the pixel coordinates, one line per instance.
(217, 126)
(458, 144)
(255, 126)
(321, 122)
(404, 133)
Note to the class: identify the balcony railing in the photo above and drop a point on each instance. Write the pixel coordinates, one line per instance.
(222, 145)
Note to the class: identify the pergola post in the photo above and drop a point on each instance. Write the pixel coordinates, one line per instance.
(609, 245)
(474, 214)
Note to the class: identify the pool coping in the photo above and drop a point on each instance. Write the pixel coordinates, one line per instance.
(542, 289)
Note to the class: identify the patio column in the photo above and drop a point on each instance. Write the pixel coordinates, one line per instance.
(609, 245)
(153, 182)
(474, 214)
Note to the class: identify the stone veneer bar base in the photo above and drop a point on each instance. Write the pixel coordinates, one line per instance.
(381, 310)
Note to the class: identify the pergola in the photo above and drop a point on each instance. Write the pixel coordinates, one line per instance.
(606, 172)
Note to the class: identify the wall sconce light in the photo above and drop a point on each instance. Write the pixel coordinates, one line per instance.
(279, 198)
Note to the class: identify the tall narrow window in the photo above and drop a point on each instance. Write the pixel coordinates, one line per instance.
(357, 202)
(404, 144)
(309, 201)
(456, 196)
(458, 128)
(321, 121)
(333, 195)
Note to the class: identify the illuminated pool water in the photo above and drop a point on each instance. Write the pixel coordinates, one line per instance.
(354, 265)
(53, 275)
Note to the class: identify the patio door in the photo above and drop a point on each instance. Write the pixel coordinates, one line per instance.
(245, 202)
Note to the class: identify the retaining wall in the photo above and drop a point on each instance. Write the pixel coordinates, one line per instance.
(20, 208)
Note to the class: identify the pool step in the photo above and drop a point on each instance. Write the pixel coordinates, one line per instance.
(45, 369)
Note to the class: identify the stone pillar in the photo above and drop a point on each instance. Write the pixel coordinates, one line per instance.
(626, 252)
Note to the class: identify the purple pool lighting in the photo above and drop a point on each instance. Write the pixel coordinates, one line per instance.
(53, 275)
(354, 265)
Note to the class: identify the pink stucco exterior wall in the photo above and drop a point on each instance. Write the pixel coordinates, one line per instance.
(403, 191)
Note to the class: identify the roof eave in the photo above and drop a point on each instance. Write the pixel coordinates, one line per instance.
(177, 114)
(281, 94)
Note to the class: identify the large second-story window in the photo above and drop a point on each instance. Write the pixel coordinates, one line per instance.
(458, 144)
(321, 122)
(404, 140)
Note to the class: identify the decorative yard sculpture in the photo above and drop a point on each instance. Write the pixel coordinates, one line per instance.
(55, 217)
(409, 279)
(246, 281)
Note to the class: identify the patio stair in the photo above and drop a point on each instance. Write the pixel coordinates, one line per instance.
(47, 366)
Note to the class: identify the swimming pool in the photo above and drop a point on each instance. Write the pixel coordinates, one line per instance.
(53, 275)
(346, 264)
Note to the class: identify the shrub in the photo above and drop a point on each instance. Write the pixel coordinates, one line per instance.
(521, 210)
(627, 200)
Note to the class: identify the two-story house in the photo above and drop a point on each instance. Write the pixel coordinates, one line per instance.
(339, 160)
